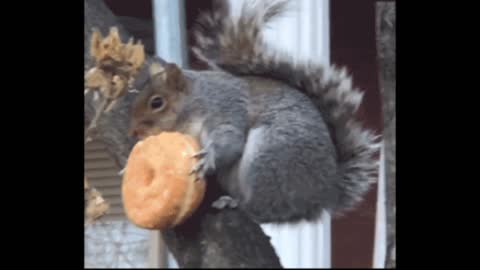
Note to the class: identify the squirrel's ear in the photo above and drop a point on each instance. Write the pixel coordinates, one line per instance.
(168, 74)
(156, 69)
(175, 78)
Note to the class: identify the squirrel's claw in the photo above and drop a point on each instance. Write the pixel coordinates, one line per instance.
(205, 164)
(200, 154)
(198, 170)
(225, 201)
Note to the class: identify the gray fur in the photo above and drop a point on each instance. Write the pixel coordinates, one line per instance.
(288, 170)
(281, 138)
(221, 100)
(291, 169)
(273, 152)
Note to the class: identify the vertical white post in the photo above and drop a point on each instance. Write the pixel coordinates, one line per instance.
(304, 32)
(170, 37)
(380, 248)
(325, 56)
(157, 251)
(170, 45)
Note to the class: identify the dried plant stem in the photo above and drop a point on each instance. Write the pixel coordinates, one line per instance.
(116, 65)
(91, 129)
(95, 206)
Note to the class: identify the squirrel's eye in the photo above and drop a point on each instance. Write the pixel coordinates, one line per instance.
(156, 103)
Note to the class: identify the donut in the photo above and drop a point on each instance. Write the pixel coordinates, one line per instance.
(158, 190)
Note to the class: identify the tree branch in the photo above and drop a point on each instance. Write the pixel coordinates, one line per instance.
(226, 238)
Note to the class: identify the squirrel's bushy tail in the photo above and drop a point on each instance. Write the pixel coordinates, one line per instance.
(236, 45)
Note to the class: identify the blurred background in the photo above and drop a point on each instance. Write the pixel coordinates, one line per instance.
(340, 32)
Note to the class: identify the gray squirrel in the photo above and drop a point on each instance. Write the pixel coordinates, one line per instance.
(280, 138)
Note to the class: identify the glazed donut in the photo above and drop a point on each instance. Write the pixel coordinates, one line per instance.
(158, 190)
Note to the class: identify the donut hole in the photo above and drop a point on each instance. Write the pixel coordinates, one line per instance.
(145, 174)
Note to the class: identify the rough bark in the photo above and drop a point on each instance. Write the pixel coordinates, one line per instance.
(209, 239)
(386, 55)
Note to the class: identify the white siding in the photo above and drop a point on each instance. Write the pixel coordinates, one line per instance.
(102, 174)
(112, 241)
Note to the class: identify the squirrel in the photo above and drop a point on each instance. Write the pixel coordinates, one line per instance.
(280, 138)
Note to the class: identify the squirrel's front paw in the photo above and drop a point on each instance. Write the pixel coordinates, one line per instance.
(225, 201)
(206, 162)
